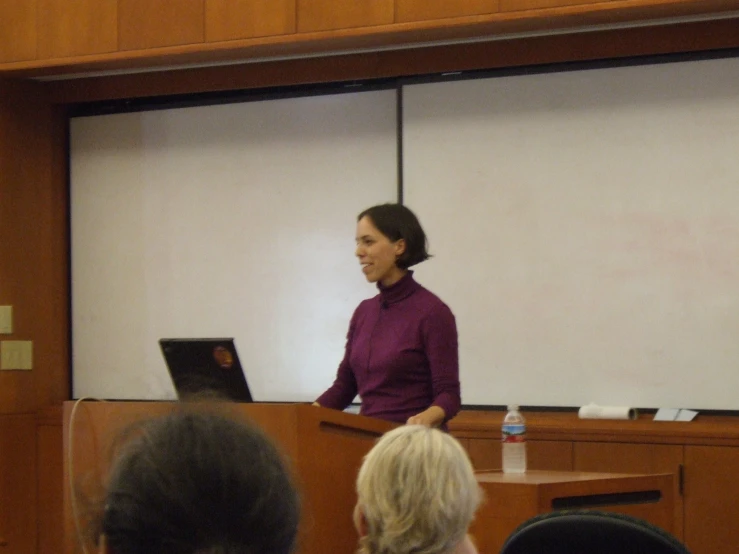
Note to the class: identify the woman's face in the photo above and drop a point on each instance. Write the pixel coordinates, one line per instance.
(377, 254)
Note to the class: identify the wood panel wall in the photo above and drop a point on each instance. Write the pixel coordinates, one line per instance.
(424, 10)
(245, 19)
(49, 479)
(712, 499)
(17, 484)
(18, 30)
(611, 44)
(33, 279)
(82, 27)
(58, 36)
(33, 249)
(146, 24)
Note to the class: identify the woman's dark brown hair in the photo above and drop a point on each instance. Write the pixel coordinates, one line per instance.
(396, 222)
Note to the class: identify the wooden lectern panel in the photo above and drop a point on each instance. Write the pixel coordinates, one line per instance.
(324, 447)
(634, 458)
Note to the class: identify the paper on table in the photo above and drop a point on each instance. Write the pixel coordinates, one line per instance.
(671, 414)
(666, 414)
(686, 415)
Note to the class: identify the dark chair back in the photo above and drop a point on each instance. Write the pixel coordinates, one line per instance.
(590, 532)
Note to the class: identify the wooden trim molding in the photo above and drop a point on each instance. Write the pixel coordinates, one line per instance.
(560, 426)
(602, 45)
(376, 37)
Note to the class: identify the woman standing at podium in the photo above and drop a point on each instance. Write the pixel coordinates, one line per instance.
(401, 353)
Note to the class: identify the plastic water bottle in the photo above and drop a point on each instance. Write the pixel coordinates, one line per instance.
(514, 441)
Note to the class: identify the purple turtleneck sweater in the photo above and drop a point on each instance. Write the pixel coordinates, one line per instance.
(401, 355)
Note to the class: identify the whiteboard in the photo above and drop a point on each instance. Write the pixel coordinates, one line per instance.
(586, 231)
(234, 220)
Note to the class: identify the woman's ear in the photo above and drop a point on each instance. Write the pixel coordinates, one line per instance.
(363, 529)
(399, 247)
(360, 522)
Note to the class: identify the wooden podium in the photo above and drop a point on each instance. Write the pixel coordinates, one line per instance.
(512, 499)
(326, 449)
(325, 446)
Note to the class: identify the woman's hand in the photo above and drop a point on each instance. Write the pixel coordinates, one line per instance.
(432, 417)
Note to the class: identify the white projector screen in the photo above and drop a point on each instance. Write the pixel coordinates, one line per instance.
(586, 231)
(233, 220)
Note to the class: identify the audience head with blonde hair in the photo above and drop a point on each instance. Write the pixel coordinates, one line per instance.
(417, 493)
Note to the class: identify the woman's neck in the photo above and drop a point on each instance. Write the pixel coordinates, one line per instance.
(393, 277)
(466, 546)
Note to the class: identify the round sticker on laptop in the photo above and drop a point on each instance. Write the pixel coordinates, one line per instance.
(223, 357)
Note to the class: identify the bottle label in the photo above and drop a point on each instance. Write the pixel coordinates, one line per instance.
(513, 433)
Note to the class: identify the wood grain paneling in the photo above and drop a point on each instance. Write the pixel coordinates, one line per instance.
(711, 499)
(325, 15)
(550, 455)
(485, 453)
(667, 39)
(239, 19)
(547, 455)
(663, 37)
(425, 10)
(18, 484)
(17, 30)
(76, 28)
(523, 5)
(465, 444)
(707, 430)
(50, 489)
(634, 458)
(155, 23)
(33, 249)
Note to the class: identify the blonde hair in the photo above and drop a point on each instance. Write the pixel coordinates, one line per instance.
(417, 492)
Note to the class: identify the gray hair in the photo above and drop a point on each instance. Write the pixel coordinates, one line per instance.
(417, 492)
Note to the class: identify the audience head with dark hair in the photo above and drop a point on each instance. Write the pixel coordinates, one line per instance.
(197, 482)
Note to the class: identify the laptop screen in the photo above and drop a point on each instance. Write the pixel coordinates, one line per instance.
(203, 368)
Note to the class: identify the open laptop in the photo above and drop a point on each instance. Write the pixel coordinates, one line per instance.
(205, 368)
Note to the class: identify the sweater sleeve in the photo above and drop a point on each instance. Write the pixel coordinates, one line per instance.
(439, 330)
(344, 388)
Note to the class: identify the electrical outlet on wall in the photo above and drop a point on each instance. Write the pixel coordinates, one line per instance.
(6, 320)
(16, 354)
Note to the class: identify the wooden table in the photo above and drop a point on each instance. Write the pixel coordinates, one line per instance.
(512, 499)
